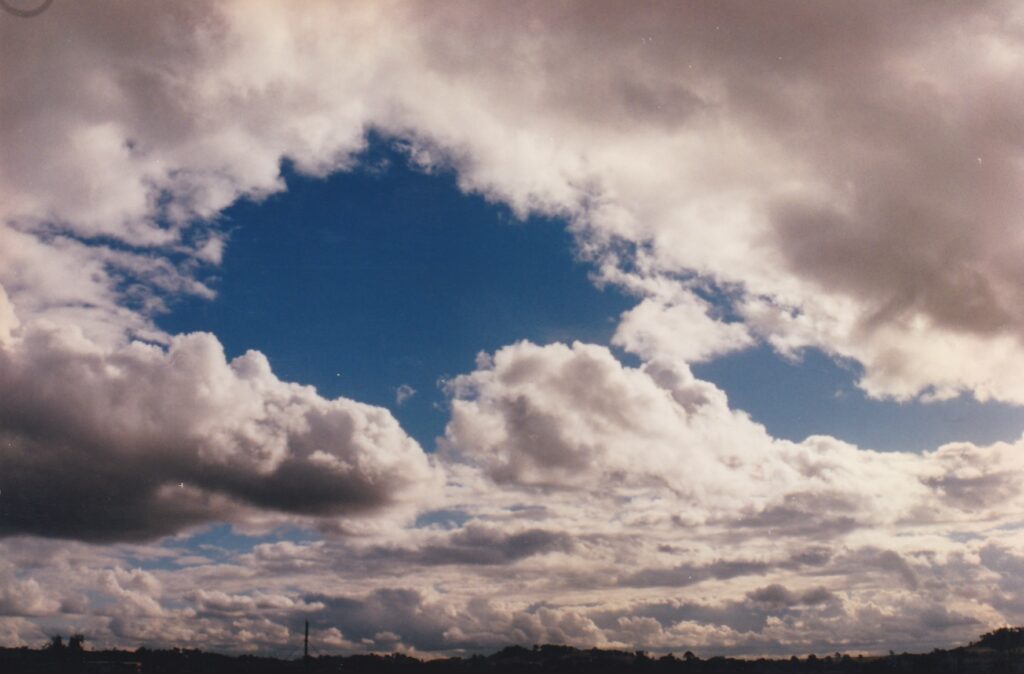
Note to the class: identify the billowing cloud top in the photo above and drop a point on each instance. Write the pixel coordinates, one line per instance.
(841, 176)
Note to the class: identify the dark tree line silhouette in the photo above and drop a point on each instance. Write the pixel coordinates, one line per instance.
(998, 652)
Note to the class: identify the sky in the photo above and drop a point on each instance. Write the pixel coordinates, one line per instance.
(445, 327)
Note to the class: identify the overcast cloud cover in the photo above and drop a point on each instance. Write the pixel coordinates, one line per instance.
(842, 176)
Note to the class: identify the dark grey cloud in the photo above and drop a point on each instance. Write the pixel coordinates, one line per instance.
(814, 515)
(779, 596)
(1008, 593)
(477, 544)
(871, 559)
(976, 491)
(221, 604)
(724, 569)
(841, 253)
(690, 574)
(141, 442)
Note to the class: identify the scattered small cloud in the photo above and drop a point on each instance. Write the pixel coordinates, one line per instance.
(403, 393)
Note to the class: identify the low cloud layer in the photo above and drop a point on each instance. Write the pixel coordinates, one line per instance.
(666, 521)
